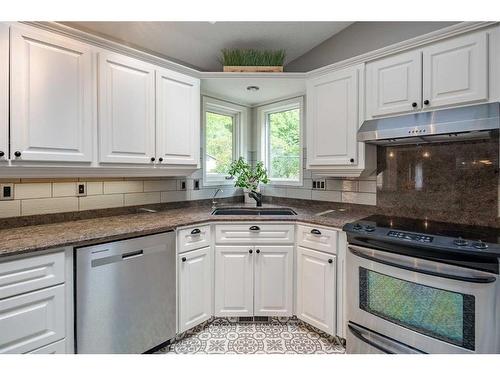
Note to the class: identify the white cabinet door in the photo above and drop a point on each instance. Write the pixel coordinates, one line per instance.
(273, 281)
(394, 84)
(4, 92)
(456, 71)
(332, 113)
(234, 280)
(316, 289)
(30, 321)
(195, 288)
(126, 110)
(58, 347)
(177, 118)
(51, 97)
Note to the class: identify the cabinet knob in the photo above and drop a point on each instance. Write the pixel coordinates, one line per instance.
(254, 228)
(426, 102)
(196, 231)
(160, 160)
(316, 232)
(153, 159)
(351, 160)
(17, 154)
(184, 259)
(250, 251)
(414, 104)
(257, 251)
(2, 153)
(330, 261)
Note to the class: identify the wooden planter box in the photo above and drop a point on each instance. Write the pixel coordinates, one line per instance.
(254, 69)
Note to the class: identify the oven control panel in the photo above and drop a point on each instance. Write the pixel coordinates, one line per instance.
(410, 236)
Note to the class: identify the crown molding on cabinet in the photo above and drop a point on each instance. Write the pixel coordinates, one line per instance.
(113, 46)
(419, 41)
(447, 32)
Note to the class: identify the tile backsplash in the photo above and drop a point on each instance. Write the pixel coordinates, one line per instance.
(46, 196)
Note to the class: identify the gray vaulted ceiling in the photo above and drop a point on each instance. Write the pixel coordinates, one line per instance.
(198, 44)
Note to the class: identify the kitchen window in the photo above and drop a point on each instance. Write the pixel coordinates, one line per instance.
(281, 140)
(222, 139)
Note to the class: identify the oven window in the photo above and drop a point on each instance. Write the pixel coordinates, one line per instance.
(438, 313)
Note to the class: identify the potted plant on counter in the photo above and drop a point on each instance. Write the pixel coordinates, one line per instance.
(249, 179)
(252, 60)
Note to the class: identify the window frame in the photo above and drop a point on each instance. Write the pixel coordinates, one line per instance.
(239, 115)
(263, 113)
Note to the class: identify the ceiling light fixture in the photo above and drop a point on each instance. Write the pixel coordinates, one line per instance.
(253, 88)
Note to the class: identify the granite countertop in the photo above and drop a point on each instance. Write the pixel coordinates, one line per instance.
(32, 238)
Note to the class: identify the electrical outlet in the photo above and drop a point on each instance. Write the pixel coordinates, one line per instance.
(6, 192)
(182, 185)
(196, 184)
(319, 184)
(81, 189)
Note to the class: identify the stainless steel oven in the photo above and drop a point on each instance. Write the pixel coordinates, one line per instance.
(404, 304)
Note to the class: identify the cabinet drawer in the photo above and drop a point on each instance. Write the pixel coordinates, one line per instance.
(32, 320)
(194, 238)
(28, 274)
(260, 233)
(58, 347)
(317, 238)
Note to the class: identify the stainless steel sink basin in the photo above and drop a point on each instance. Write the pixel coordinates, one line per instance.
(254, 211)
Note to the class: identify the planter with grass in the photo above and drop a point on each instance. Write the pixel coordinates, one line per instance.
(251, 60)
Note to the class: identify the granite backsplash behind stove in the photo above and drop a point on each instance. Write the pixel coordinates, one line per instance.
(455, 181)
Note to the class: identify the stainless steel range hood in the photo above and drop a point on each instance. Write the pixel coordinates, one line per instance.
(472, 122)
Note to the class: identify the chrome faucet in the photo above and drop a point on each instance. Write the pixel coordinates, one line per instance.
(214, 202)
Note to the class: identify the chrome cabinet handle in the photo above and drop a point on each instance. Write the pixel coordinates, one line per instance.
(254, 228)
(196, 231)
(391, 260)
(316, 232)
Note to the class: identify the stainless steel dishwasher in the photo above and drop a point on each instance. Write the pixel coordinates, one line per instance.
(125, 295)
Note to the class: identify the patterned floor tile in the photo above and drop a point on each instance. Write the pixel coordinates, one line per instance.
(279, 336)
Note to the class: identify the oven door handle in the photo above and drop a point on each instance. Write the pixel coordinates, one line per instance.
(391, 261)
(377, 341)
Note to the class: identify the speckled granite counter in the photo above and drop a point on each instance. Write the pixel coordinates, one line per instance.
(31, 238)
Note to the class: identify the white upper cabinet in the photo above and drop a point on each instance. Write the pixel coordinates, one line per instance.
(4, 92)
(177, 117)
(447, 73)
(456, 71)
(273, 281)
(394, 84)
(51, 97)
(195, 288)
(332, 118)
(126, 110)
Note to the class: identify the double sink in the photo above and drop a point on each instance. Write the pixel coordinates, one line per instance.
(254, 211)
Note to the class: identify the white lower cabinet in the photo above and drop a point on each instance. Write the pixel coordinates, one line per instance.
(195, 288)
(234, 280)
(58, 347)
(254, 280)
(36, 301)
(316, 289)
(32, 320)
(273, 281)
